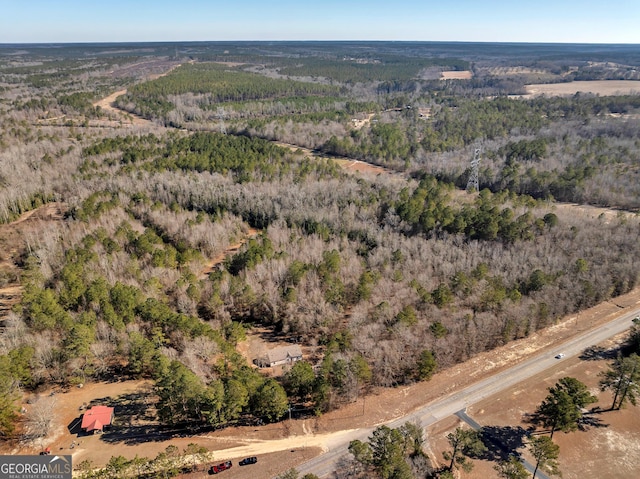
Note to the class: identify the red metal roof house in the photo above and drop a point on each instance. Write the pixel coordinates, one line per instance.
(96, 418)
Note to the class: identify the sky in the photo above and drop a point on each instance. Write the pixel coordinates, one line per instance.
(544, 21)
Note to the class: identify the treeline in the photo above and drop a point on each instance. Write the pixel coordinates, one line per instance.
(367, 69)
(458, 123)
(220, 83)
(426, 210)
(242, 158)
(171, 462)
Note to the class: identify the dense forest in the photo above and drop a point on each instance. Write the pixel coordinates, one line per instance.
(387, 278)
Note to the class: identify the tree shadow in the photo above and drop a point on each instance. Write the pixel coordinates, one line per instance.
(590, 420)
(134, 420)
(502, 441)
(128, 408)
(534, 419)
(597, 353)
(137, 405)
(131, 435)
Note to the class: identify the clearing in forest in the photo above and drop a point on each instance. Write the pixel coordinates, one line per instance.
(598, 87)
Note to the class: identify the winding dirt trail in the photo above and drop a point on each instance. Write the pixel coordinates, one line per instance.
(347, 164)
(107, 104)
(216, 260)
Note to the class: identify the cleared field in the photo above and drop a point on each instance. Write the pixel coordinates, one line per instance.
(457, 75)
(598, 87)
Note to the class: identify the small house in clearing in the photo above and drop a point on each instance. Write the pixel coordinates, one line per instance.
(96, 418)
(278, 356)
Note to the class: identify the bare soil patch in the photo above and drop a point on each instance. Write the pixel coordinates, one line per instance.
(231, 64)
(424, 113)
(268, 465)
(597, 87)
(589, 211)
(456, 75)
(346, 163)
(359, 123)
(363, 167)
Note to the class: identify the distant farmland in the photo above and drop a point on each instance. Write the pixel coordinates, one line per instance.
(457, 75)
(598, 87)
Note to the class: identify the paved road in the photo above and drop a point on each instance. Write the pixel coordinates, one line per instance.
(325, 464)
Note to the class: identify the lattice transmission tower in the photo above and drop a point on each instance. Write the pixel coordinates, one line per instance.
(474, 180)
(223, 129)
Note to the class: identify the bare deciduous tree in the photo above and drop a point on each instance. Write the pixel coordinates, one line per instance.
(40, 418)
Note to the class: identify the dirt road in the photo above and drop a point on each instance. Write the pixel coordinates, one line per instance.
(347, 164)
(107, 105)
(216, 260)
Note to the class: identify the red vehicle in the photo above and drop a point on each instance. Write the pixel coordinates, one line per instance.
(223, 466)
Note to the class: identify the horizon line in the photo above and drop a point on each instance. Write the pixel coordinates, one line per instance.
(501, 42)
